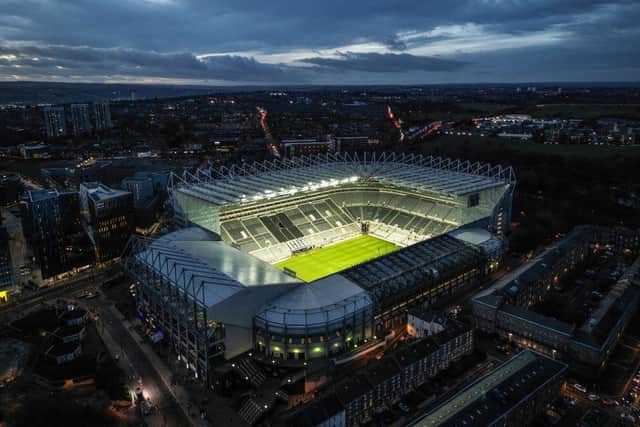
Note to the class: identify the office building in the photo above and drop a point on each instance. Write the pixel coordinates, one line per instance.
(141, 187)
(54, 121)
(110, 213)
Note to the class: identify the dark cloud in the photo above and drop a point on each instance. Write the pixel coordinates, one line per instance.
(115, 62)
(165, 38)
(384, 62)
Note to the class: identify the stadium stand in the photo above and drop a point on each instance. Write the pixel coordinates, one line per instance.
(397, 216)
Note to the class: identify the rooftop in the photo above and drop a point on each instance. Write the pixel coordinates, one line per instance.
(402, 269)
(318, 302)
(98, 191)
(193, 256)
(252, 182)
(491, 396)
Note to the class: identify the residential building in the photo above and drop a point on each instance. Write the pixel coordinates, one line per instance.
(80, 119)
(10, 188)
(7, 278)
(48, 219)
(54, 121)
(383, 382)
(102, 115)
(513, 394)
(302, 147)
(505, 310)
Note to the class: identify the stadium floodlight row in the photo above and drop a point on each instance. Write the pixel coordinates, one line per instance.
(212, 288)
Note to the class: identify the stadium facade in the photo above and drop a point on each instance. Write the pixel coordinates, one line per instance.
(213, 290)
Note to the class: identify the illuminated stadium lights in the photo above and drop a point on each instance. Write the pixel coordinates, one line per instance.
(311, 186)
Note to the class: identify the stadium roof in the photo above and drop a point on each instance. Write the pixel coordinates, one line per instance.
(423, 262)
(255, 181)
(208, 270)
(317, 303)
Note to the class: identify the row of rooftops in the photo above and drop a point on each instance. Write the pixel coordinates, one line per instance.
(600, 327)
(492, 396)
(336, 397)
(540, 269)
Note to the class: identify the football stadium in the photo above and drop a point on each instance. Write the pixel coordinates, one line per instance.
(315, 256)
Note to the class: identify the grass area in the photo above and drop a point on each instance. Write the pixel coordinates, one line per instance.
(318, 263)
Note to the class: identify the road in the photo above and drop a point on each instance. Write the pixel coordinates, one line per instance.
(272, 145)
(139, 369)
(86, 281)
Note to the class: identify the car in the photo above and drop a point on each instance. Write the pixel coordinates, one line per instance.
(579, 387)
(593, 397)
(403, 407)
(610, 402)
(569, 401)
(138, 394)
(628, 417)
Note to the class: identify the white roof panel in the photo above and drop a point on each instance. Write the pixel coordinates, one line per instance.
(189, 258)
(257, 181)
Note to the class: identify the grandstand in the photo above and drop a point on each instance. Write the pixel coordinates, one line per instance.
(371, 235)
(273, 210)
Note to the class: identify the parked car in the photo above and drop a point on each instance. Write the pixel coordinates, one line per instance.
(580, 387)
(138, 394)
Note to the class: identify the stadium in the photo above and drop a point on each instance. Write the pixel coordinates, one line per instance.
(315, 256)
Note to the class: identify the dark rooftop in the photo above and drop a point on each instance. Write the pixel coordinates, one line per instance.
(491, 396)
(352, 388)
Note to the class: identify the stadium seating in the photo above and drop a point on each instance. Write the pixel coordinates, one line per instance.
(274, 232)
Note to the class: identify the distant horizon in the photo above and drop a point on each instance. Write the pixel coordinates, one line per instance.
(303, 85)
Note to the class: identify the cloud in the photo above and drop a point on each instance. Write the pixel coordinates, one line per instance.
(87, 61)
(305, 42)
(384, 62)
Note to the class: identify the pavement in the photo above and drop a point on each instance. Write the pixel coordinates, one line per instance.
(175, 394)
(142, 368)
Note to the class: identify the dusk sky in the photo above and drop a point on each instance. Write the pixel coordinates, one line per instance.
(319, 42)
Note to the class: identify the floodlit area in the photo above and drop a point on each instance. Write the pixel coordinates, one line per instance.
(318, 263)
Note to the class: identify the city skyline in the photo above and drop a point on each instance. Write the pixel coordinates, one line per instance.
(238, 43)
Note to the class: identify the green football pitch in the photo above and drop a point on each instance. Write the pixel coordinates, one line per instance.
(322, 262)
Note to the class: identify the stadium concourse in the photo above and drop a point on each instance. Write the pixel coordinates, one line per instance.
(315, 256)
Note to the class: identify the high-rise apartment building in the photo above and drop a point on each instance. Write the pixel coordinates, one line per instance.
(80, 118)
(48, 218)
(54, 121)
(102, 115)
